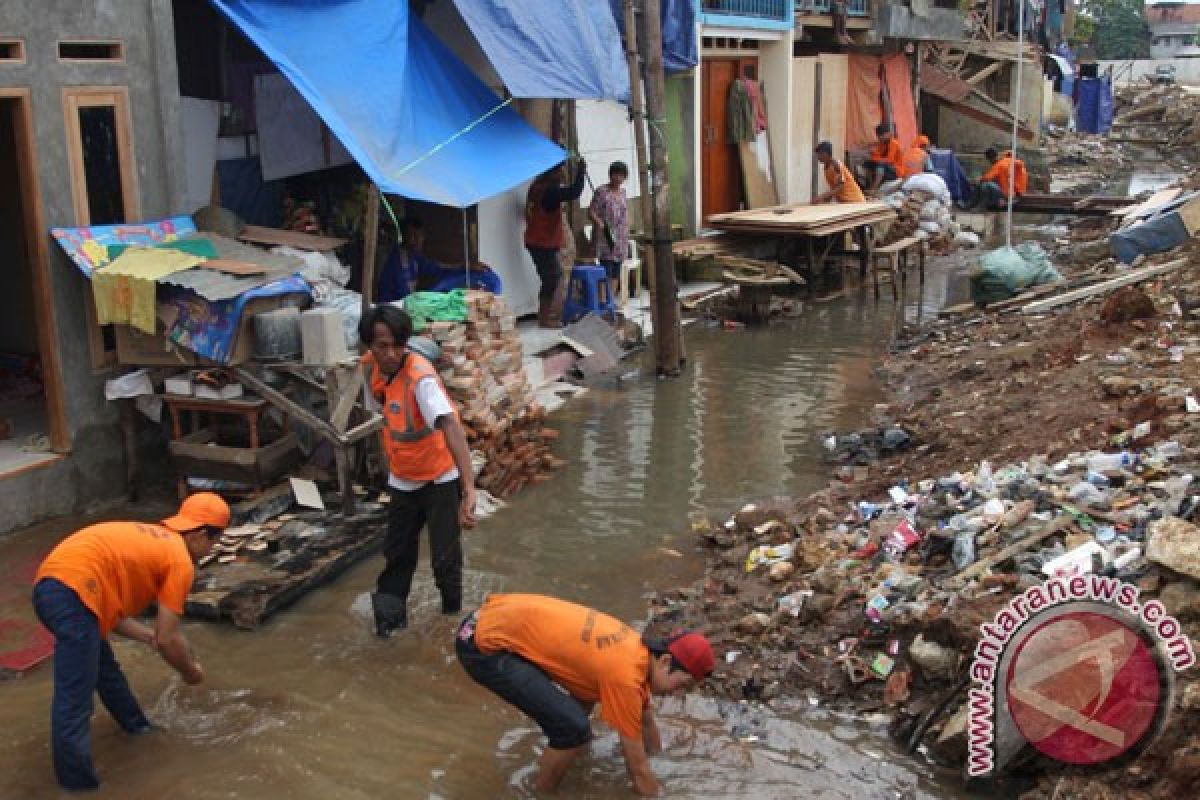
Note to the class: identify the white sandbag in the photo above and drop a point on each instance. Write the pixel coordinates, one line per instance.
(932, 228)
(929, 182)
(931, 211)
(967, 239)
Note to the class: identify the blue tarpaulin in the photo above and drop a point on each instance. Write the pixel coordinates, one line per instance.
(414, 117)
(678, 32)
(946, 164)
(551, 48)
(1094, 108)
(1156, 235)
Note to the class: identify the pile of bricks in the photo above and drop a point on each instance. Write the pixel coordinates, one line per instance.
(482, 370)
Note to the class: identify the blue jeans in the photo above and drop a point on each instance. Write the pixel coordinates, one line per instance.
(525, 685)
(83, 664)
(991, 195)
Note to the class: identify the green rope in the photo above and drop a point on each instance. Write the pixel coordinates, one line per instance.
(456, 136)
(391, 213)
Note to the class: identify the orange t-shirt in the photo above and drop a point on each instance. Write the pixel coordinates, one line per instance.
(850, 191)
(595, 657)
(118, 568)
(890, 153)
(999, 174)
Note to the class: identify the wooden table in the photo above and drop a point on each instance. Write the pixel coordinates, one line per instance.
(251, 408)
(342, 386)
(816, 230)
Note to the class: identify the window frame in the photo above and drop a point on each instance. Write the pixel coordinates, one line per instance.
(74, 99)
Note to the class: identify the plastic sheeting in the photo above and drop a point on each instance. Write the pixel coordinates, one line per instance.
(678, 32)
(414, 117)
(551, 48)
(1094, 108)
(947, 165)
(899, 85)
(863, 108)
(1156, 235)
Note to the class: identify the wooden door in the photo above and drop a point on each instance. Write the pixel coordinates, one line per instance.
(721, 189)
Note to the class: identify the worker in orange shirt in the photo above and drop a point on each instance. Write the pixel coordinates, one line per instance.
(528, 649)
(94, 583)
(994, 188)
(917, 159)
(886, 160)
(842, 186)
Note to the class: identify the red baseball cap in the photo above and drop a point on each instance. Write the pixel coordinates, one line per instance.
(694, 653)
(200, 510)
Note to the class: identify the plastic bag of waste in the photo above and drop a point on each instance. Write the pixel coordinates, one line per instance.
(931, 211)
(929, 182)
(963, 552)
(1005, 271)
(765, 555)
(966, 239)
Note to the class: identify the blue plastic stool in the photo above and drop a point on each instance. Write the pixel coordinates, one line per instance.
(589, 292)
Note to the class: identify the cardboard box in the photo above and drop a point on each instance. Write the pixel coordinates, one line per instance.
(138, 349)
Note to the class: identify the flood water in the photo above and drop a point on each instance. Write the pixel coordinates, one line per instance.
(312, 705)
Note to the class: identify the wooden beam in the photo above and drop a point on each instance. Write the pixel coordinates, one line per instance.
(370, 245)
(980, 115)
(285, 403)
(1056, 525)
(985, 73)
(1136, 276)
(347, 396)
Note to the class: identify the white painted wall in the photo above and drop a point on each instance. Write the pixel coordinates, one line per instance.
(606, 135)
(1187, 70)
(501, 246)
(775, 71)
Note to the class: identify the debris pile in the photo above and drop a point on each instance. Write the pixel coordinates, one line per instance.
(481, 366)
(925, 209)
(1164, 116)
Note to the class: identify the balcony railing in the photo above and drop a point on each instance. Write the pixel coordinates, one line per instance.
(775, 10)
(854, 8)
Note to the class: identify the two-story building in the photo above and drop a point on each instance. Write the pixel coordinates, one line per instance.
(1173, 27)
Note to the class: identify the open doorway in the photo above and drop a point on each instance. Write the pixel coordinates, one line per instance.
(30, 431)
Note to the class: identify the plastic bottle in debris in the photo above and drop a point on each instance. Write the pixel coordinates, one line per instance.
(1103, 462)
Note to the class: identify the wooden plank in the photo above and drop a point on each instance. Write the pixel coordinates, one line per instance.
(301, 241)
(1056, 525)
(347, 396)
(984, 74)
(1160, 198)
(233, 267)
(801, 214)
(982, 116)
(285, 403)
(1136, 276)
(758, 181)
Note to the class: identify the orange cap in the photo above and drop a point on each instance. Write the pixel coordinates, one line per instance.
(200, 510)
(922, 141)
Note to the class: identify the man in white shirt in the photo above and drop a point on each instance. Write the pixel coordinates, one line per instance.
(429, 468)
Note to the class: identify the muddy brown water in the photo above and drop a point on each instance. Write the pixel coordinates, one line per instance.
(313, 706)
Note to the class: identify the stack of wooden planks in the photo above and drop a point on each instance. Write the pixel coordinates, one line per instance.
(803, 219)
(482, 369)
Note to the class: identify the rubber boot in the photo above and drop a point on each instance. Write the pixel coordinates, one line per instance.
(452, 601)
(391, 614)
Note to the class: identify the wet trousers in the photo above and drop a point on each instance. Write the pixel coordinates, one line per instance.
(434, 505)
(83, 664)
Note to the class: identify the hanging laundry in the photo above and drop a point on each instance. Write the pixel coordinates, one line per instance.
(739, 114)
(758, 102)
(125, 289)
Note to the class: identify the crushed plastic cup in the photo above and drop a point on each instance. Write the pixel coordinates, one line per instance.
(1104, 462)
(793, 603)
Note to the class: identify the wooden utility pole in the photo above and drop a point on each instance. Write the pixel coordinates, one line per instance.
(370, 246)
(667, 337)
(637, 110)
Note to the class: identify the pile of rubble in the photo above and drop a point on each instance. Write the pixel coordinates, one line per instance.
(481, 366)
(1161, 115)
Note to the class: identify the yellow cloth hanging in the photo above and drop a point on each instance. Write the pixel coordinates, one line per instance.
(124, 290)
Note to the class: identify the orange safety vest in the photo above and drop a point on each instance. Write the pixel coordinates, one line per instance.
(998, 174)
(416, 450)
(542, 228)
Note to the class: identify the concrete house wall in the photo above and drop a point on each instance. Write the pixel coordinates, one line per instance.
(91, 472)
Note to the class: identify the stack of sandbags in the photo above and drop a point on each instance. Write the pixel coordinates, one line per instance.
(481, 366)
(924, 209)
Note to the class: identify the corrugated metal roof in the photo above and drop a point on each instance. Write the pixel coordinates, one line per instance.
(214, 285)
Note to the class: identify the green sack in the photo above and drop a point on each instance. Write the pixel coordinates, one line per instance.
(426, 307)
